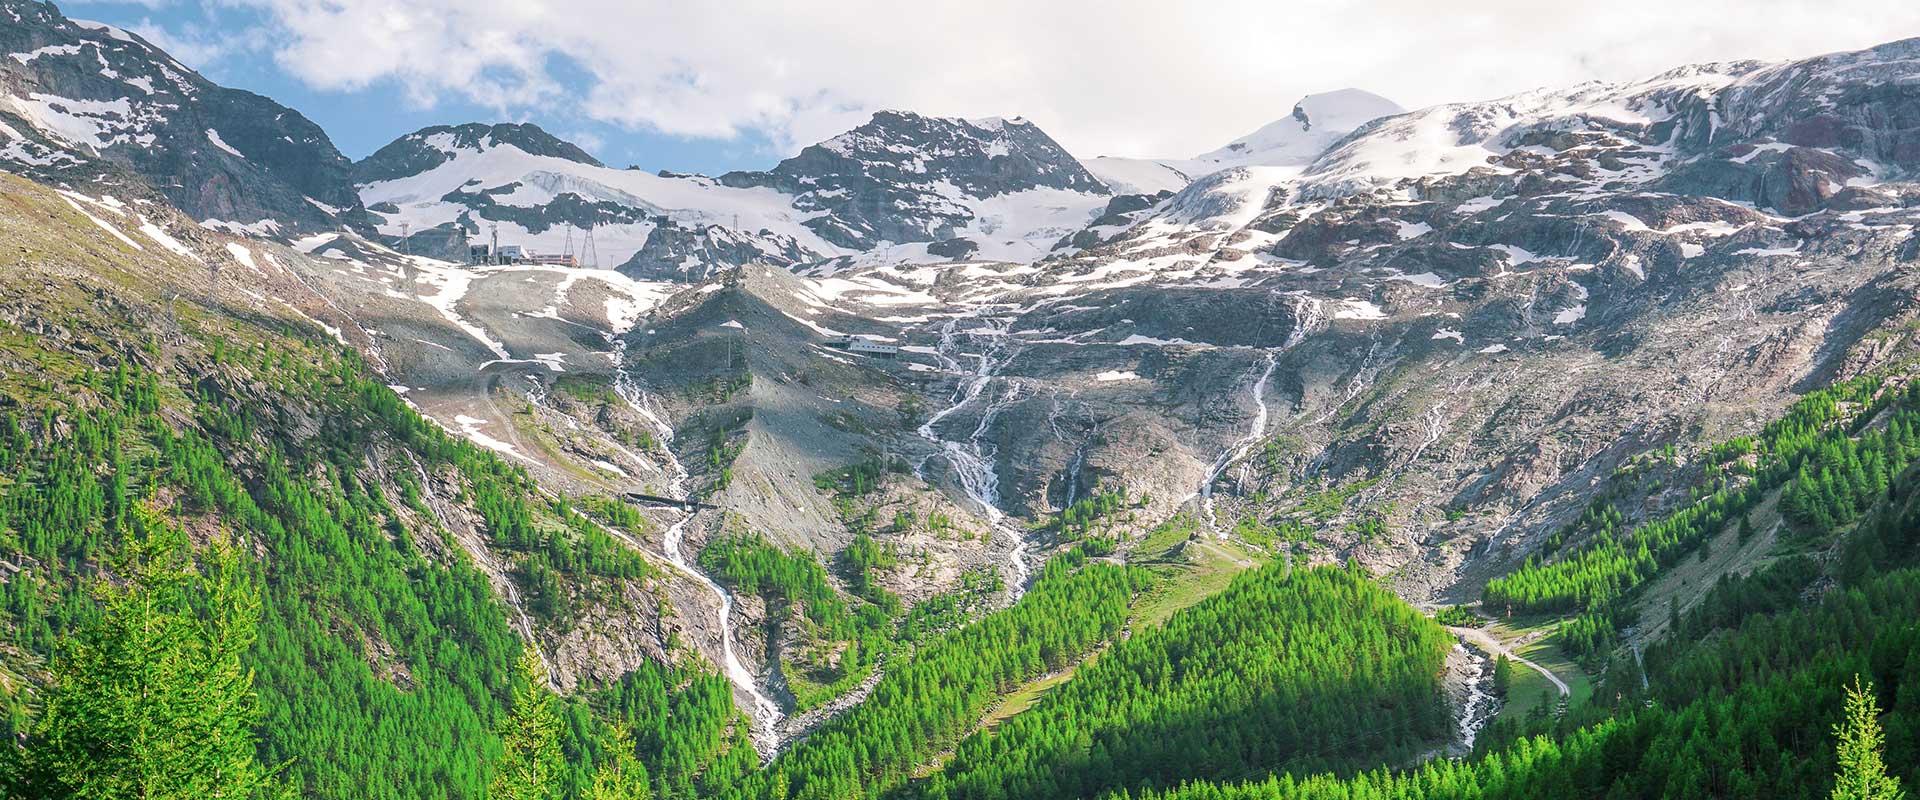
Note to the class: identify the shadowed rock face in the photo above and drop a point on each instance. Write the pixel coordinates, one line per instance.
(688, 253)
(90, 92)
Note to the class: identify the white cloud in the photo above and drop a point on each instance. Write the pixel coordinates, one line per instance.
(192, 44)
(587, 140)
(1122, 77)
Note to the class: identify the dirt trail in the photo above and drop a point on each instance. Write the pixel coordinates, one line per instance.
(1492, 645)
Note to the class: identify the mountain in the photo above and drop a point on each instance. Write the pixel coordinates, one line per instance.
(1317, 121)
(963, 186)
(428, 148)
(822, 474)
(1145, 176)
(901, 187)
(1456, 321)
(1442, 280)
(78, 92)
(447, 185)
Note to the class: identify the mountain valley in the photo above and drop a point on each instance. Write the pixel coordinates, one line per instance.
(1454, 451)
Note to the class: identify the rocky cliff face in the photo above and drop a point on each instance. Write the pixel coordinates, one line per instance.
(75, 92)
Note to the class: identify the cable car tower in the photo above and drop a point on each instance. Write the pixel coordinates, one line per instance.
(589, 255)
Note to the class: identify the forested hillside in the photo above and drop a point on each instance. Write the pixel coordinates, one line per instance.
(124, 417)
(924, 705)
(1743, 701)
(843, 639)
(1823, 464)
(352, 608)
(1285, 670)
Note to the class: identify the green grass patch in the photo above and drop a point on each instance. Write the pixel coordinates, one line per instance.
(1183, 585)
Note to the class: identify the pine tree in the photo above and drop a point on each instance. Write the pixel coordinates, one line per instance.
(151, 700)
(530, 768)
(1502, 675)
(1862, 775)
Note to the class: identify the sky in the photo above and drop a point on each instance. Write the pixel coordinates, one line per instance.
(713, 85)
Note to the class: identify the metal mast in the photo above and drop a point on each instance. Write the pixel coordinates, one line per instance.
(589, 255)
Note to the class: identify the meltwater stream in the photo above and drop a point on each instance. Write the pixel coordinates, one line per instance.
(1239, 448)
(765, 711)
(1476, 707)
(1307, 316)
(972, 459)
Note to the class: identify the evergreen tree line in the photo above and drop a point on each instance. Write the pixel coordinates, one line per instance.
(376, 670)
(1087, 515)
(843, 640)
(1829, 466)
(1284, 670)
(925, 703)
(858, 563)
(1755, 694)
(379, 671)
(152, 698)
(641, 738)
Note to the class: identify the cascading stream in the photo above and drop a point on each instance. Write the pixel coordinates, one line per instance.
(1239, 448)
(1471, 715)
(1307, 316)
(765, 711)
(971, 459)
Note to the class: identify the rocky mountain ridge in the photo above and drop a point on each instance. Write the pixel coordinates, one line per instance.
(902, 186)
(78, 98)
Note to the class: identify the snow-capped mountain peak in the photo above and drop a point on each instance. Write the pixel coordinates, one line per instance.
(427, 148)
(902, 187)
(81, 98)
(982, 157)
(1316, 123)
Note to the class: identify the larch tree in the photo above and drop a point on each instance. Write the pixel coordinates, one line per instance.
(621, 776)
(1863, 772)
(531, 766)
(151, 700)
